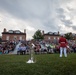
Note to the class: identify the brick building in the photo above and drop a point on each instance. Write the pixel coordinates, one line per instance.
(13, 35)
(51, 36)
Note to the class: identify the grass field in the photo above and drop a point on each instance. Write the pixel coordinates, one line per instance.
(46, 64)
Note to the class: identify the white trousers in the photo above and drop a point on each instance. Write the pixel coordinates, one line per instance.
(63, 50)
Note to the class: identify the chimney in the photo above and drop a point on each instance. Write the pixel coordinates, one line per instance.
(58, 33)
(4, 30)
(24, 30)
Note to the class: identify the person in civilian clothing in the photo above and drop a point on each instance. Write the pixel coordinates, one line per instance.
(19, 50)
(23, 49)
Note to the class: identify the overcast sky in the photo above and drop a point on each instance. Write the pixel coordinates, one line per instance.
(47, 15)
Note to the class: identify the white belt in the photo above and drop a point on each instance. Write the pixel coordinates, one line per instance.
(62, 42)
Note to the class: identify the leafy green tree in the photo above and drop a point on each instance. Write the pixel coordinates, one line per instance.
(69, 36)
(38, 35)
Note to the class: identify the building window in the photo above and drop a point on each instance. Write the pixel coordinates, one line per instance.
(15, 37)
(48, 38)
(54, 38)
(58, 38)
(17, 31)
(20, 38)
(10, 31)
(7, 38)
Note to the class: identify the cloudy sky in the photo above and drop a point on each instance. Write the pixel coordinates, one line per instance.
(47, 15)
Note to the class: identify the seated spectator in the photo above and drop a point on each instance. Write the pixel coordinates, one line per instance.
(21, 49)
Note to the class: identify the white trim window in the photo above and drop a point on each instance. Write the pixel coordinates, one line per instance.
(54, 38)
(15, 37)
(58, 38)
(7, 37)
(48, 38)
(20, 37)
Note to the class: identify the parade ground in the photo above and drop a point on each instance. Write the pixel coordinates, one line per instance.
(45, 64)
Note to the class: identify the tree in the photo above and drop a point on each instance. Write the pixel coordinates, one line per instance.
(38, 35)
(69, 36)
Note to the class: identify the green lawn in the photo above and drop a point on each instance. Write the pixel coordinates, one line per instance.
(46, 64)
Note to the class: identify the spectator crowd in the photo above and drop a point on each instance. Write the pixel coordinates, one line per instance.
(39, 48)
